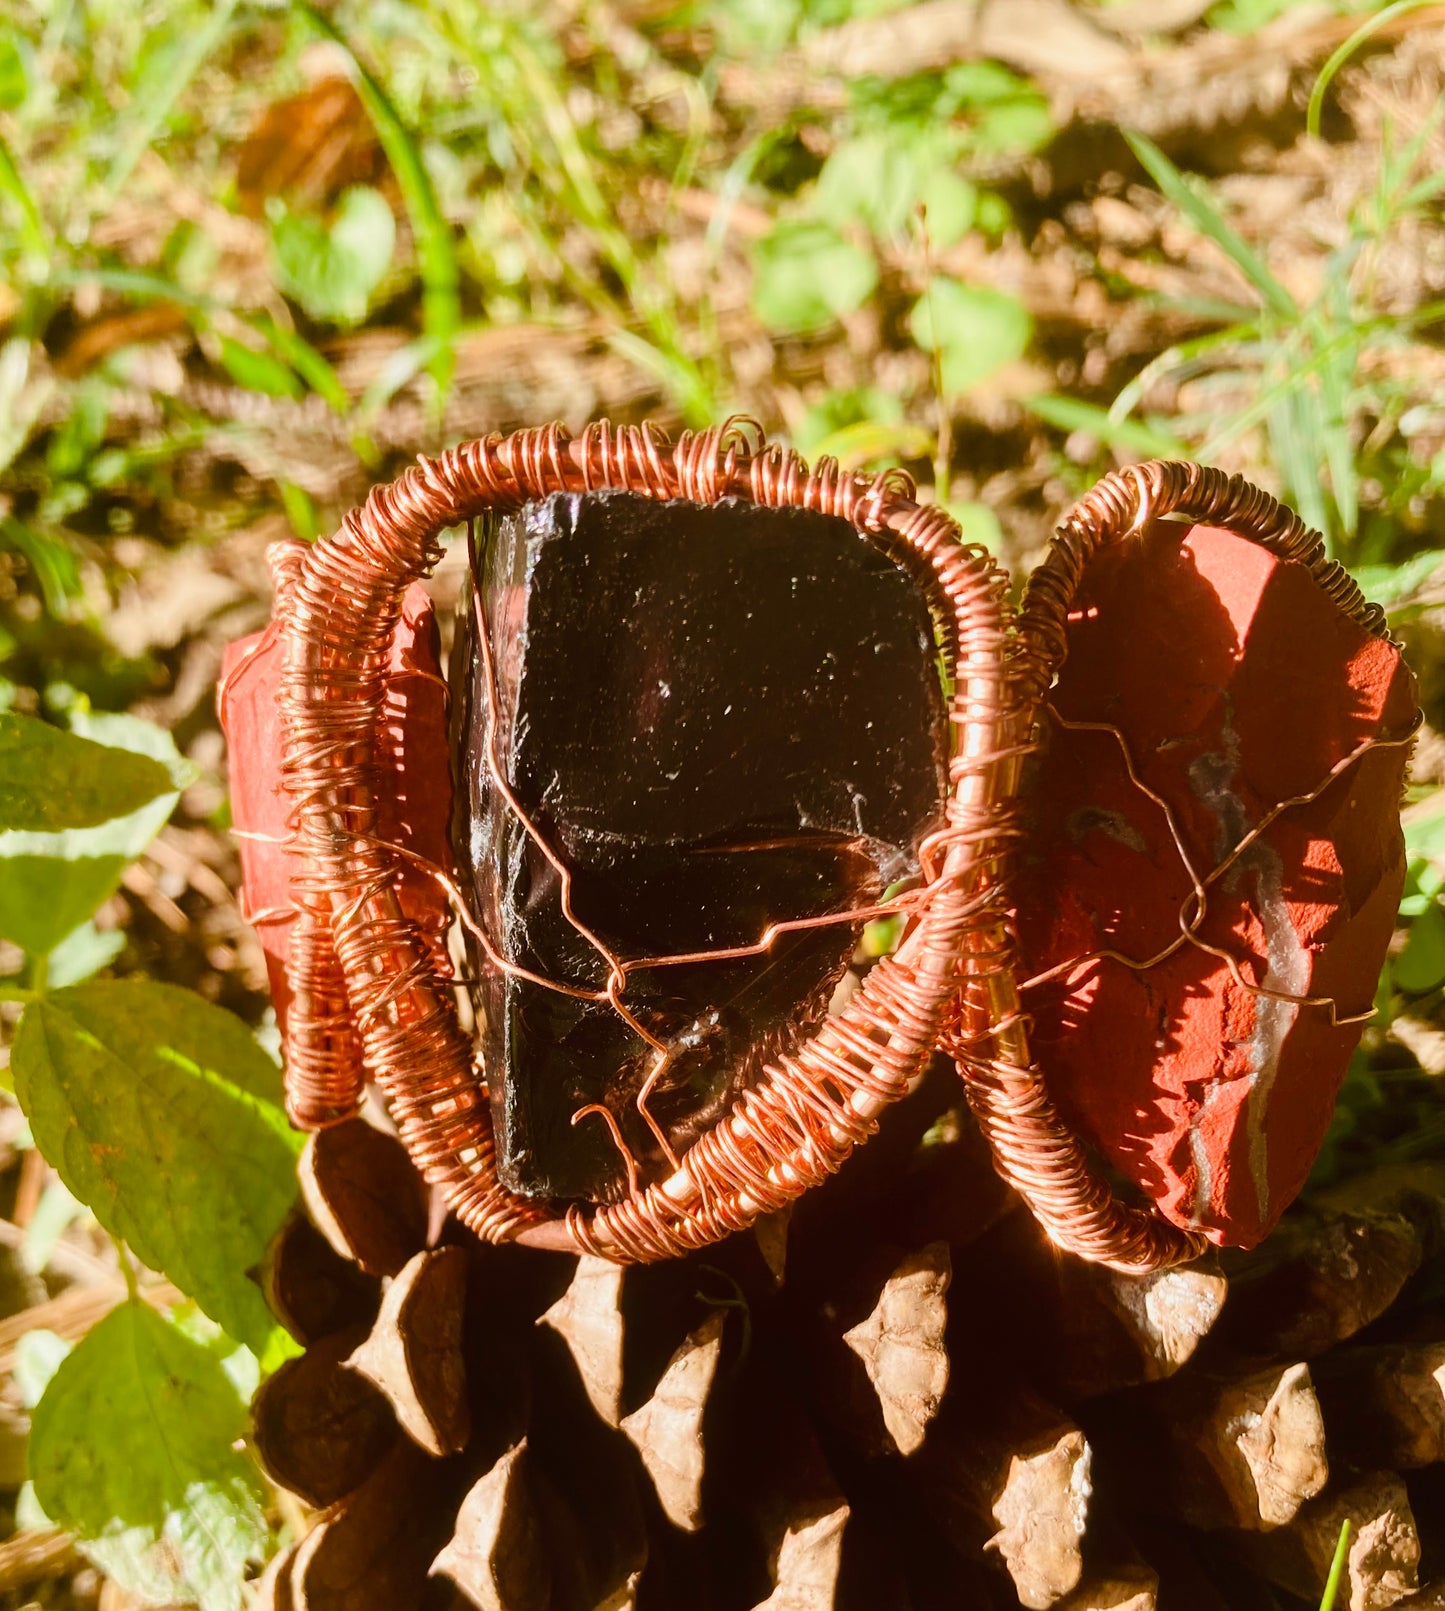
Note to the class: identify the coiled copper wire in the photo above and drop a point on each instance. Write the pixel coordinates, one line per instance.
(373, 994)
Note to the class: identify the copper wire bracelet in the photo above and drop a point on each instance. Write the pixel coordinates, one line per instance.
(372, 991)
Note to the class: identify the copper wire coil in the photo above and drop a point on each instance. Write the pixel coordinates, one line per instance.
(373, 992)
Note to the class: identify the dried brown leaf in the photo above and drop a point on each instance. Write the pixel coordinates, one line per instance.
(902, 1344)
(307, 148)
(414, 1352)
(771, 1232)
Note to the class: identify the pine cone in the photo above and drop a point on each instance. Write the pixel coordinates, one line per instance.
(903, 1397)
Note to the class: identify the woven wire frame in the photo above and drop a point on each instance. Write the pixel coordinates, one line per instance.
(372, 993)
(1033, 1148)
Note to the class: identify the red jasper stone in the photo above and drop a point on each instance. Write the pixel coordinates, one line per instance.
(1236, 684)
(413, 804)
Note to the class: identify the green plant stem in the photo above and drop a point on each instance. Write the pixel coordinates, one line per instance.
(1337, 1568)
(14, 992)
(127, 1269)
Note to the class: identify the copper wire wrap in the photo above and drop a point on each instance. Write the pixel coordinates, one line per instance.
(373, 990)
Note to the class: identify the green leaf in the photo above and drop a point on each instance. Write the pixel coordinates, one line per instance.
(1421, 965)
(162, 1114)
(806, 276)
(974, 329)
(37, 1358)
(332, 271)
(52, 880)
(1425, 829)
(258, 371)
(301, 356)
(51, 560)
(1392, 584)
(51, 779)
(84, 951)
(14, 77)
(882, 177)
(1071, 414)
(978, 524)
(950, 205)
(870, 442)
(56, 1211)
(131, 1448)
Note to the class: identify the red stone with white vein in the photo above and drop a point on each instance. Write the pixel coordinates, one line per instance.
(1235, 684)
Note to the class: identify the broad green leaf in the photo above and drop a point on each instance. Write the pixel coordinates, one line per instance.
(881, 179)
(1020, 124)
(873, 179)
(131, 1448)
(1421, 965)
(806, 276)
(869, 442)
(162, 1114)
(332, 270)
(974, 329)
(1424, 826)
(52, 880)
(51, 779)
(950, 205)
(37, 1358)
(978, 524)
(836, 410)
(84, 951)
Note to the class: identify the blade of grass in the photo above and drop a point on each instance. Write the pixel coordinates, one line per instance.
(1332, 67)
(303, 358)
(1337, 1568)
(1134, 436)
(153, 114)
(1182, 356)
(285, 344)
(32, 228)
(436, 252)
(1337, 375)
(1207, 219)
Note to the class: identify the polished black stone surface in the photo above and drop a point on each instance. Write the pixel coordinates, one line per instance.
(717, 717)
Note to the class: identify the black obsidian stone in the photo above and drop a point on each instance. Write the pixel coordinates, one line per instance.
(717, 717)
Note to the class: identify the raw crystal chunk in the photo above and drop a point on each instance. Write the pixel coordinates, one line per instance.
(1236, 684)
(715, 718)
